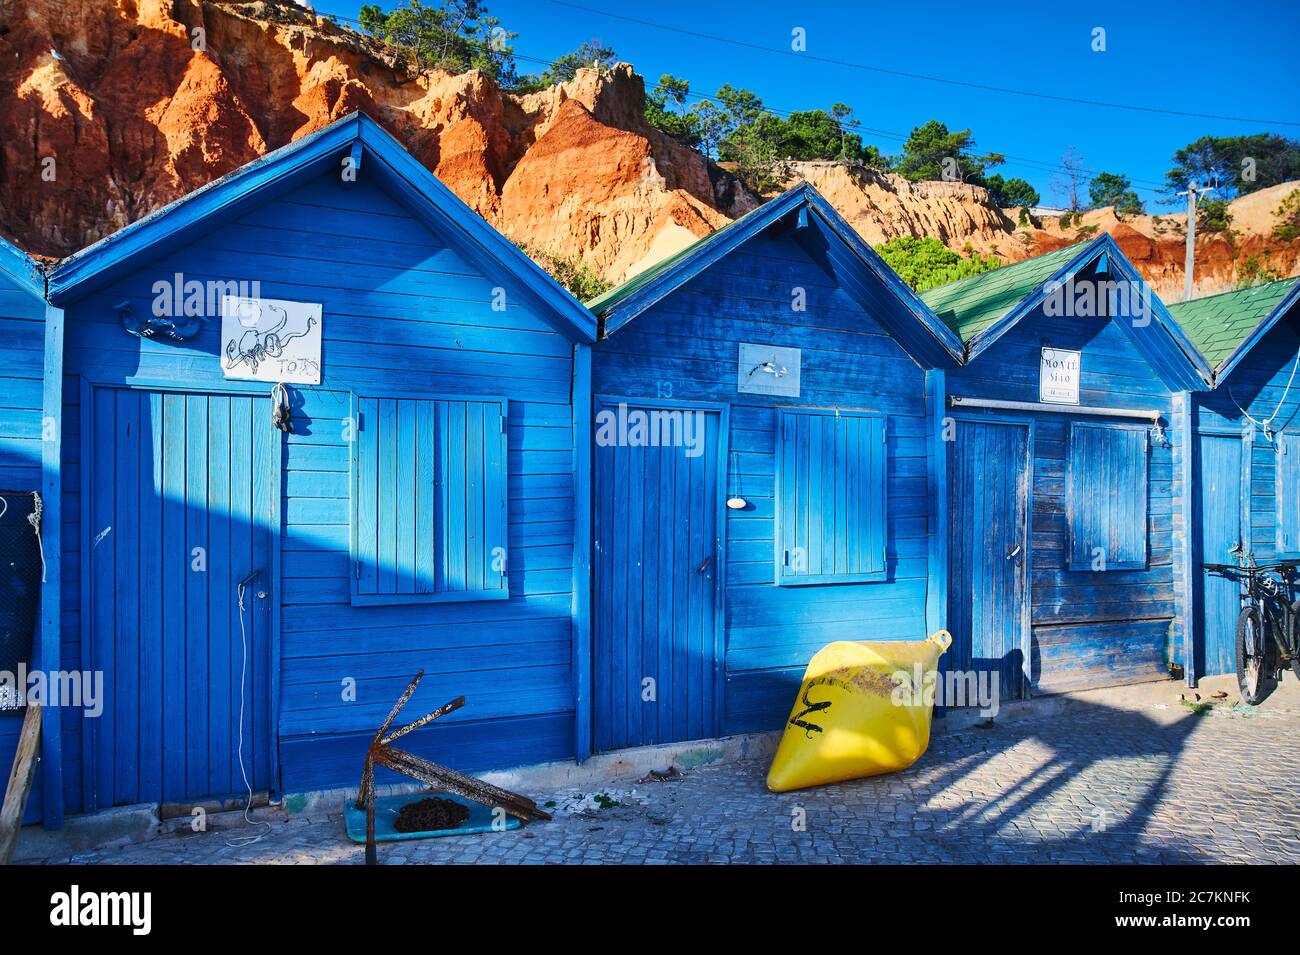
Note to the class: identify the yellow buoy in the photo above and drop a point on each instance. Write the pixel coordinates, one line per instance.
(864, 709)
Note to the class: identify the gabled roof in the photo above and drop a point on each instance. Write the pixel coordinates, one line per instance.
(985, 307)
(22, 268)
(859, 269)
(375, 153)
(968, 306)
(1225, 327)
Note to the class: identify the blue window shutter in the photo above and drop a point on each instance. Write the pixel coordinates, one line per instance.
(429, 500)
(1288, 495)
(831, 486)
(365, 496)
(1106, 497)
(473, 497)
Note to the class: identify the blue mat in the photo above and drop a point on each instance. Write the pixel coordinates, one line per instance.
(386, 808)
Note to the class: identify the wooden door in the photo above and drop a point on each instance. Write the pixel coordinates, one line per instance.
(182, 505)
(656, 650)
(988, 613)
(1217, 504)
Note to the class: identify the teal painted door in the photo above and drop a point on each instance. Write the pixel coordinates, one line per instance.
(1218, 507)
(988, 613)
(182, 504)
(655, 655)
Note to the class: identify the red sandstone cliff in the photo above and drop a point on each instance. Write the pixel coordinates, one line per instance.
(112, 108)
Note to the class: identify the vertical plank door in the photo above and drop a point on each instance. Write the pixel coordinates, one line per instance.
(655, 580)
(183, 505)
(988, 612)
(1217, 504)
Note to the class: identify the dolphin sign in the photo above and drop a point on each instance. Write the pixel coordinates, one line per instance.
(267, 339)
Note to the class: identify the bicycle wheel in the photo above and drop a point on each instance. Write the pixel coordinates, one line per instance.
(1250, 655)
(1295, 638)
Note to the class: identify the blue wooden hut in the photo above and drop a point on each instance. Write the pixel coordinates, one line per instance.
(24, 458)
(1247, 464)
(763, 479)
(1067, 472)
(318, 433)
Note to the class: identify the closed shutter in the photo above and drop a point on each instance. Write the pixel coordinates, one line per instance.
(429, 500)
(831, 497)
(1288, 495)
(1106, 497)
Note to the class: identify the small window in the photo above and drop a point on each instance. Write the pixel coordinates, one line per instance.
(1106, 497)
(429, 500)
(1288, 495)
(830, 493)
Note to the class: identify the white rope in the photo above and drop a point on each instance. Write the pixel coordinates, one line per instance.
(244, 841)
(1266, 426)
(34, 518)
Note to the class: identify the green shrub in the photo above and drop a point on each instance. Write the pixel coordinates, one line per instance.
(927, 263)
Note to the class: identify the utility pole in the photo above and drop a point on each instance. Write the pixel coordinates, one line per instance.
(1189, 263)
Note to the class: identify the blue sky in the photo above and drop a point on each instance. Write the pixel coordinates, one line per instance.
(1232, 60)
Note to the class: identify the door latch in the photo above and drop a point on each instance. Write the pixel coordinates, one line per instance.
(704, 566)
(1014, 553)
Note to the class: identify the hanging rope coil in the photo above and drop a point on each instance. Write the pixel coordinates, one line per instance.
(34, 518)
(1266, 426)
(282, 413)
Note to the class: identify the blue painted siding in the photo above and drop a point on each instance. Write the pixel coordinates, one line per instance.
(405, 315)
(1088, 628)
(1257, 386)
(686, 347)
(22, 343)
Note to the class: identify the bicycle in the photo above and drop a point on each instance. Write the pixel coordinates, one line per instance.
(1271, 610)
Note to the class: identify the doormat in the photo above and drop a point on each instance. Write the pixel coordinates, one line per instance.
(480, 818)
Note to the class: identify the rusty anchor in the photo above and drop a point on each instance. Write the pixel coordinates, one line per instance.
(382, 753)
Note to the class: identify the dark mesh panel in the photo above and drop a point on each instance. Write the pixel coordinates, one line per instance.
(20, 586)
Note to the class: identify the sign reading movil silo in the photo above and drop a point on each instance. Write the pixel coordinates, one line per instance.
(1058, 376)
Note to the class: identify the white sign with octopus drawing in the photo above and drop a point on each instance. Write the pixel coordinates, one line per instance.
(269, 339)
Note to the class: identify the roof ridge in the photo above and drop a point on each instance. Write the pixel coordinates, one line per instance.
(1235, 291)
(1009, 266)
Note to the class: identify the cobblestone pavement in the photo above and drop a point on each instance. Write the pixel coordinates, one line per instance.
(1098, 785)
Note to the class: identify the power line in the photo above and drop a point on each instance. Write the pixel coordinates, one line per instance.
(922, 76)
(1035, 165)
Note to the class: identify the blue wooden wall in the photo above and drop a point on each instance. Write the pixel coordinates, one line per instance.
(1257, 386)
(404, 315)
(22, 343)
(1088, 628)
(686, 346)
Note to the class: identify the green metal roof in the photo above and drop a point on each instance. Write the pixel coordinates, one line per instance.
(971, 305)
(1217, 324)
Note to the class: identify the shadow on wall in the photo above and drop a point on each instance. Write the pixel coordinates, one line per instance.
(169, 637)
